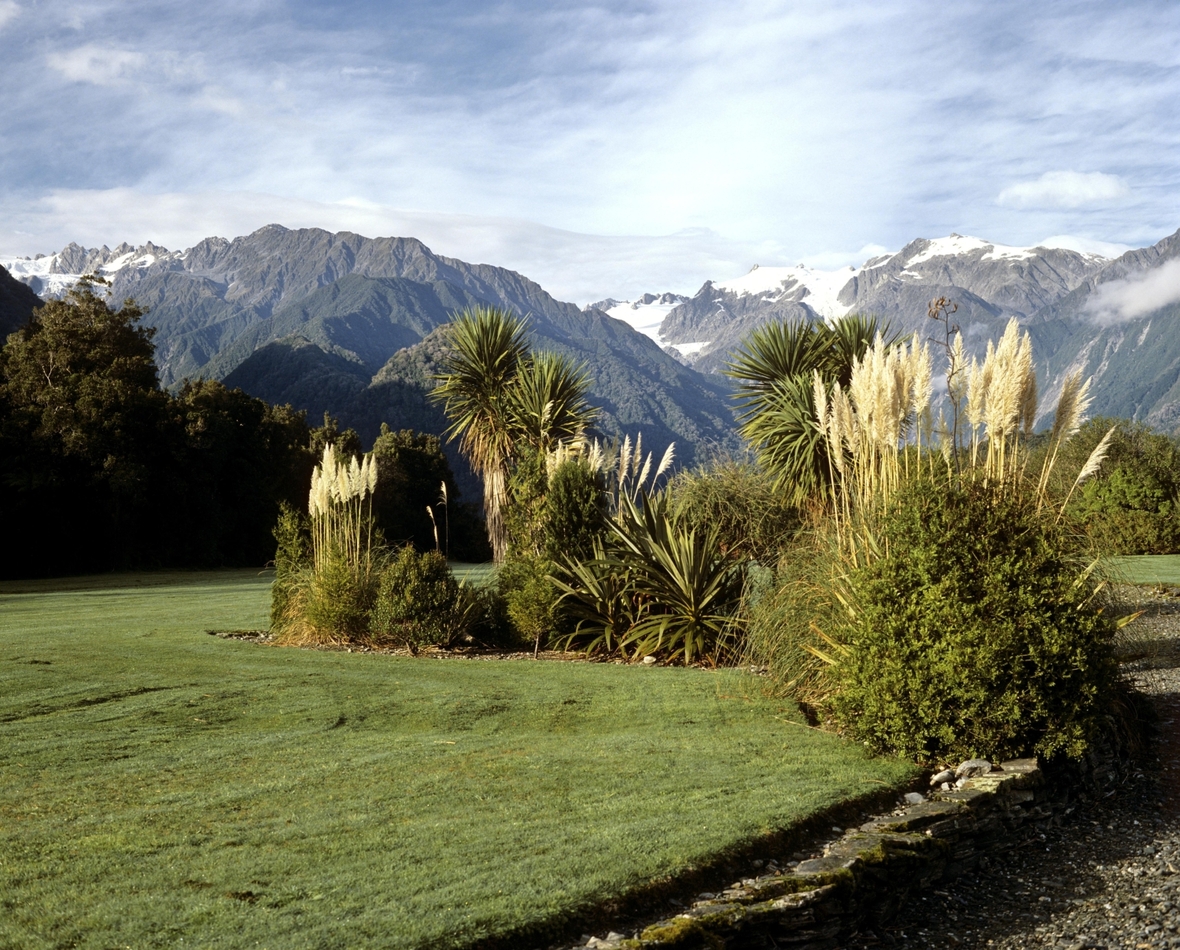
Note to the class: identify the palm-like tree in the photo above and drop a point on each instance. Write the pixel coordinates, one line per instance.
(776, 403)
(548, 401)
(499, 397)
(486, 348)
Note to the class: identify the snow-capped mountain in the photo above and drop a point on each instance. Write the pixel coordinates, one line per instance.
(357, 300)
(646, 314)
(51, 275)
(990, 282)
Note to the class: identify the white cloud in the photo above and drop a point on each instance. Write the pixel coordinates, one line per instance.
(9, 10)
(570, 265)
(1084, 245)
(1137, 295)
(1065, 189)
(98, 65)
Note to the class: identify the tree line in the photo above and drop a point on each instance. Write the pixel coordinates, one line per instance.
(101, 469)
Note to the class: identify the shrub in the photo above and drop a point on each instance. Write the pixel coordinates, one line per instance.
(939, 614)
(751, 518)
(1135, 508)
(292, 555)
(781, 630)
(973, 635)
(416, 600)
(530, 597)
(574, 510)
(481, 616)
(329, 601)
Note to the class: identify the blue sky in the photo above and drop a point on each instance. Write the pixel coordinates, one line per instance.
(602, 149)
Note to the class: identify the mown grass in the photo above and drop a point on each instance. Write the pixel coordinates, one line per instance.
(478, 575)
(161, 787)
(1145, 569)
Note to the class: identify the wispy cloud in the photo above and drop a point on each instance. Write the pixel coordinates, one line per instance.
(797, 130)
(9, 10)
(102, 66)
(1120, 300)
(1065, 189)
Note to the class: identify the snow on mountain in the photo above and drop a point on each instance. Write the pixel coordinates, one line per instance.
(52, 275)
(646, 315)
(820, 288)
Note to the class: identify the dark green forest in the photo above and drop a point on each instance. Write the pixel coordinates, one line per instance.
(101, 469)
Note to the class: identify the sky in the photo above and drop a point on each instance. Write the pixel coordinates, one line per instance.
(602, 149)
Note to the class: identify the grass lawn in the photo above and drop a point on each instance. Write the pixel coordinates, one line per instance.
(1146, 569)
(478, 575)
(160, 787)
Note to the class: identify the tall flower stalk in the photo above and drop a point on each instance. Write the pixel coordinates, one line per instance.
(873, 428)
(341, 506)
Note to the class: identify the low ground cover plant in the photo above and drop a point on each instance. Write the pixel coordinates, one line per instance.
(222, 793)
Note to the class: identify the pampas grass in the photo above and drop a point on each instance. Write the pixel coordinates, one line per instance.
(874, 428)
(329, 601)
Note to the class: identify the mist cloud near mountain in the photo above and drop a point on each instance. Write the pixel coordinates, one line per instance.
(1135, 296)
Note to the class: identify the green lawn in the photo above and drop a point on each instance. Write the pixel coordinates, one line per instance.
(162, 787)
(478, 575)
(1146, 569)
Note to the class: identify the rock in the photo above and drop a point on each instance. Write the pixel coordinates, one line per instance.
(972, 768)
(649, 661)
(610, 942)
(914, 798)
(946, 775)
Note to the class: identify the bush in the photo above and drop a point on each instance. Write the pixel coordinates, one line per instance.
(574, 510)
(416, 600)
(1135, 508)
(739, 502)
(973, 634)
(334, 602)
(785, 614)
(481, 617)
(292, 555)
(530, 597)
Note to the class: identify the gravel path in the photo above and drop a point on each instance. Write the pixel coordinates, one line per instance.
(1109, 878)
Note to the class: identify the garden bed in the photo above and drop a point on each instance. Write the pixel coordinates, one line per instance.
(160, 785)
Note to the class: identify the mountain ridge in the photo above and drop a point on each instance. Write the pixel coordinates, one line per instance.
(248, 310)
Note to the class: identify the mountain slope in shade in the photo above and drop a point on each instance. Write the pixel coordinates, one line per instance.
(364, 319)
(204, 298)
(17, 303)
(1122, 327)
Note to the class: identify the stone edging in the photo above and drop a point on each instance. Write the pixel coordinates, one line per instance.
(867, 874)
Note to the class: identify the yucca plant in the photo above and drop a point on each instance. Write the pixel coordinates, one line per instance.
(547, 401)
(486, 347)
(689, 590)
(501, 398)
(597, 594)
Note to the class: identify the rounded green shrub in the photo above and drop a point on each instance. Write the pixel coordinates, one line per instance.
(334, 601)
(416, 598)
(974, 633)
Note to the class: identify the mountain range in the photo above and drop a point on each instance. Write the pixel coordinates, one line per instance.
(340, 323)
